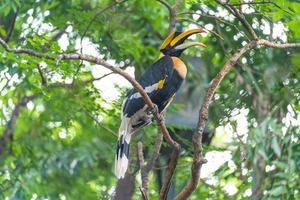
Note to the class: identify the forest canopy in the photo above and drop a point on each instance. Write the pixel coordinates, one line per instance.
(232, 131)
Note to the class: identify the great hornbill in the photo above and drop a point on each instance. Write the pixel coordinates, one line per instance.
(161, 81)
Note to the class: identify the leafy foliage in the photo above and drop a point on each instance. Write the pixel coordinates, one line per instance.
(63, 141)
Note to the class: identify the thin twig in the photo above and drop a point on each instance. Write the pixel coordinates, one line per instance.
(262, 2)
(11, 26)
(8, 131)
(100, 12)
(6, 84)
(172, 13)
(240, 17)
(89, 26)
(196, 23)
(144, 188)
(98, 78)
(203, 14)
(43, 79)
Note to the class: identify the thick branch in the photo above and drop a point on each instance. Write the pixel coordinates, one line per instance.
(199, 160)
(203, 114)
(8, 131)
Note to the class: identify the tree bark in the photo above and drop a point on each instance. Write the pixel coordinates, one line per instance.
(125, 187)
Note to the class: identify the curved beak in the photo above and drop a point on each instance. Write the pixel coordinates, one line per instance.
(183, 36)
(189, 44)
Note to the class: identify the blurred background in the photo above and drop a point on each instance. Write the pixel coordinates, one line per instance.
(59, 119)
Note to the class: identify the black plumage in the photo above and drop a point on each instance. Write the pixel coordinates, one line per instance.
(161, 70)
(161, 81)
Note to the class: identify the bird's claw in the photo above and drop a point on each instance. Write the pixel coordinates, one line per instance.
(153, 111)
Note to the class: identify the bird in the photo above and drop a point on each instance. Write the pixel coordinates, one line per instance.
(161, 81)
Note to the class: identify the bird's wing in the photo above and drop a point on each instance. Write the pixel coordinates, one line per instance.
(152, 81)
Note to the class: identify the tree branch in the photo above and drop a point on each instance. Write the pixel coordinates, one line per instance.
(207, 15)
(196, 23)
(43, 79)
(176, 147)
(6, 84)
(261, 2)
(97, 14)
(172, 13)
(277, 45)
(155, 153)
(145, 169)
(240, 17)
(158, 117)
(8, 131)
(144, 175)
(198, 159)
(11, 26)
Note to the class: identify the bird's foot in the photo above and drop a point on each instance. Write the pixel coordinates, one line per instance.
(153, 111)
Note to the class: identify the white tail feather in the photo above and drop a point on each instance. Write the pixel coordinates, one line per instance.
(122, 153)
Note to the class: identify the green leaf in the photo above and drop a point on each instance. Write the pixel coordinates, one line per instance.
(278, 191)
(275, 146)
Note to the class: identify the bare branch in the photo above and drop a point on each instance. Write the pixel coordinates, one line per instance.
(170, 172)
(105, 75)
(145, 169)
(8, 131)
(198, 159)
(26, 51)
(240, 17)
(277, 45)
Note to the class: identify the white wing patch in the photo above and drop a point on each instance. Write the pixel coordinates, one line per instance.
(149, 89)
